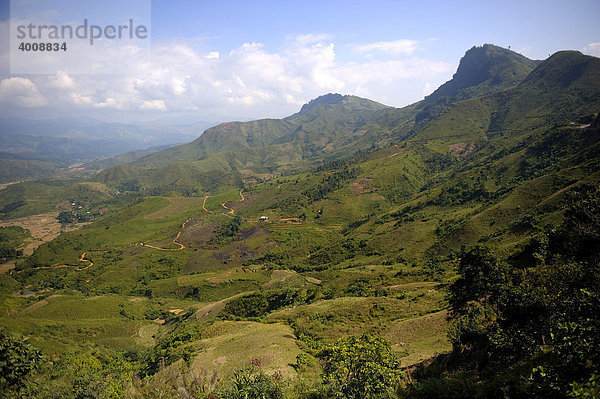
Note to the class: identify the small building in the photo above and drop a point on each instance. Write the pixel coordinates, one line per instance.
(263, 218)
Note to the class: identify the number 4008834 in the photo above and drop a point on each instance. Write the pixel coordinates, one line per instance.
(43, 46)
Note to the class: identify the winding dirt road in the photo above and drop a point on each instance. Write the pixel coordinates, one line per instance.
(204, 204)
(82, 258)
(181, 246)
(230, 210)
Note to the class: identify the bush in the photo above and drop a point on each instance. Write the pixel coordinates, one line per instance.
(360, 367)
(252, 383)
(18, 359)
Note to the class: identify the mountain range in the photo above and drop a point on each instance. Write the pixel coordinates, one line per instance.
(39, 148)
(459, 233)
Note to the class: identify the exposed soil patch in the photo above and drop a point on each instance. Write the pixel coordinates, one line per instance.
(145, 335)
(360, 186)
(462, 149)
(197, 234)
(4, 267)
(4, 185)
(313, 280)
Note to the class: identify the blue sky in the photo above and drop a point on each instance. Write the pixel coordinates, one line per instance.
(542, 27)
(265, 58)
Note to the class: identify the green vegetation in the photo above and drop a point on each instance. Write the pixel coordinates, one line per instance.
(252, 383)
(535, 320)
(228, 230)
(360, 367)
(11, 238)
(456, 238)
(18, 359)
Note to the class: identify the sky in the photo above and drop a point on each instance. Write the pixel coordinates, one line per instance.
(222, 60)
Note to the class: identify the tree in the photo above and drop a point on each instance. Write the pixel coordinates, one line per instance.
(481, 276)
(18, 359)
(66, 217)
(360, 367)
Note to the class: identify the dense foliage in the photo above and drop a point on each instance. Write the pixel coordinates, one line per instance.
(252, 383)
(11, 238)
(228, 230)
(18, 359)
(360, 368)
(530, 329)
(260, 303)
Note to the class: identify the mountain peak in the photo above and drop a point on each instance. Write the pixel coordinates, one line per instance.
(483, 70)
(563, 68)
(326, 99)
(334, 103)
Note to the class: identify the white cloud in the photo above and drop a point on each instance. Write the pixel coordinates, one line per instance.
(156, 105)
(395, 47)
(248, 80)
(21, 92)
(62, 81)
(427, 89)
(592, 49)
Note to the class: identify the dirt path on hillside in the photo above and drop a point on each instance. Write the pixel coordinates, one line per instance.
(230, 210)
(181, 246)
(82, 258)
(393, 155)
(204, 204)
(79, 268)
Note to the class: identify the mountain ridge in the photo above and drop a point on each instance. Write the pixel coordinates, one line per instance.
(334, 126)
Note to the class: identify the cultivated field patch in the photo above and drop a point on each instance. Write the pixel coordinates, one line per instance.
(43, 228)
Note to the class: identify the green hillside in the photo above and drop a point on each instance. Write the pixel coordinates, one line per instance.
(18, 169)
(325, 124)
(464, 244)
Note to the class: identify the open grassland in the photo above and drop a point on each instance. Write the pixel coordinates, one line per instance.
(60, 323)
(230, 346)
(176, 205)
(420, 338)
